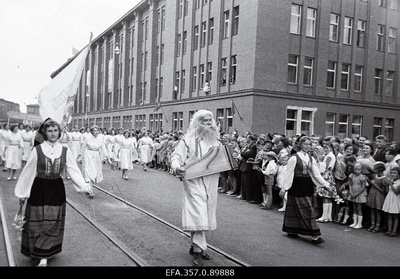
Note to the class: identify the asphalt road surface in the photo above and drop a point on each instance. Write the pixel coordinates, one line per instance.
(243, 230)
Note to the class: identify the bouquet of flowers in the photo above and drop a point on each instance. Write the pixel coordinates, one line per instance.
(19, 219)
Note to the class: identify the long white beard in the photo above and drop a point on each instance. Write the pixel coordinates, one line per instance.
(209, 133)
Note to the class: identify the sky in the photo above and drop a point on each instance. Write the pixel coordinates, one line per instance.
(37, 37)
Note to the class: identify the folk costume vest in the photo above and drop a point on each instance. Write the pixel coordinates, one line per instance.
(48, 169)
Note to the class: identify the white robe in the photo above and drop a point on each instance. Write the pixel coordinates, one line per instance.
(13, 153)
(92, 150)
(199, 195)
(145, 148)
(28, 143)
(28, 174)
(126, 147)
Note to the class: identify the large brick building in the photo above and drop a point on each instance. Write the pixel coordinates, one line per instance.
(288, 66)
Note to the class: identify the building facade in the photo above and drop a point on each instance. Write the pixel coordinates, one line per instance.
(294, 66)
(6, 106)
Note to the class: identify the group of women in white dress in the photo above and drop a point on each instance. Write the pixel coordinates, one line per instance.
(92, 147)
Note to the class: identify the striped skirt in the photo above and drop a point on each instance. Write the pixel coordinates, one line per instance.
(43, 232)
(300, 215)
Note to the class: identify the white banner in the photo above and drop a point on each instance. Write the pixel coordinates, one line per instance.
(57, 98)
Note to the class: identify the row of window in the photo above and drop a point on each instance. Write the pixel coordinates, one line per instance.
(348, 27)
(204, 73)
(345, 76)
(300, 120)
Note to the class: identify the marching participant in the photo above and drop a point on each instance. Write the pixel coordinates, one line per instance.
(41, 185)
(199, 202)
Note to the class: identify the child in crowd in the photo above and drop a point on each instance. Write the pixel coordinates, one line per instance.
(392, 202)
(269, 169)
(376, 196)
(279, 180)
(358, 195)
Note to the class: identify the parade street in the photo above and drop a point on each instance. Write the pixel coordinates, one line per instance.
(245, 232)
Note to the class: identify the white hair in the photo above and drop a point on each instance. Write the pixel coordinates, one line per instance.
(195, 124)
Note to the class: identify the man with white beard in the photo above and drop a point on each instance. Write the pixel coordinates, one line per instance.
(199, 200)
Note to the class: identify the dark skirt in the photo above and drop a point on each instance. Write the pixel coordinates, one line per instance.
(300, 215)
(43, 232)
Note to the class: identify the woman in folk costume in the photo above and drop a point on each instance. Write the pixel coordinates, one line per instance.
(301, 175)
(13, 152)
(27, 137)
(145, 149)
(199, 195)
(75, 143)
(41, 185)
(127, 144)
(92, 157)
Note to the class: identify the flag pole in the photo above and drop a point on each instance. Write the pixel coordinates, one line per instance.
(233, 103)
(164, 115)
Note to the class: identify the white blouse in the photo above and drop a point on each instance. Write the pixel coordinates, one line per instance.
(51, 151)
(287, 178)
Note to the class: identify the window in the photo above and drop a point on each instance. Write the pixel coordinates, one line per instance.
(299, 121)
(361, 33)
(348, 28)
(308, 71)
(356, 126)
(163, 18)
(392, 40)
(377, 126)
(235, 23)
(382, 3)
(393, 4)
(224, 70)
(183, 81)
(186, 7)
(211, 31)
(196, 37)
(157, 55)
(389, 129)
(292, 68)
(345, 77)
(203, 34)
(330, 124)
(202, 76)
(380, 38)
(331, 76)
(389, 83)
(146, 56)
(295, 19)
(176, 87)
(226, 25)
(197, 4)
(209, 74)
(233, 70)
(161, 86)
(311, 21)
(180, 9)
(333, 28)
(378, 81)
(220, 117)
(343, 125)
(178, 45)
(194, 79)
(162, 55)
(184, 42)
(358, 78)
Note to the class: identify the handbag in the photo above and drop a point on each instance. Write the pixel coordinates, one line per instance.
(19, 219)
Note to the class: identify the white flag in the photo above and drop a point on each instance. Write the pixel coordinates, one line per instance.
(57, 98)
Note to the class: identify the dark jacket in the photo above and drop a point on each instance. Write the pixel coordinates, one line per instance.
(380, 155)
(248, 153)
